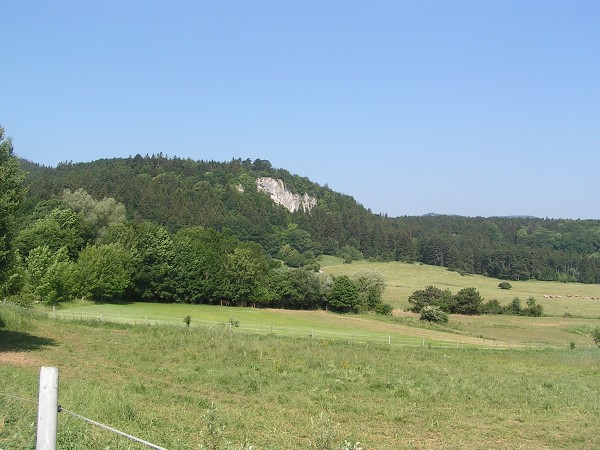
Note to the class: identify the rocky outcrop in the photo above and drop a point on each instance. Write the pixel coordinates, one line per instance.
(283, 196)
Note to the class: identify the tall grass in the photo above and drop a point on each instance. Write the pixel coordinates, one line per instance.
(162, 382)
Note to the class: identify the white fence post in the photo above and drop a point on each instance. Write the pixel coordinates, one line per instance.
(47, 409)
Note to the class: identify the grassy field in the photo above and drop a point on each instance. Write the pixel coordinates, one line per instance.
(403, 279)
(311, 379)
(180, 388)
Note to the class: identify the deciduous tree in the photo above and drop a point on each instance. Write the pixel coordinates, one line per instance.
(11, 193)
(343, 296)
(103, 272)
(370, 285)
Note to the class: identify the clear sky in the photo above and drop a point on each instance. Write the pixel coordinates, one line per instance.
(478, 108)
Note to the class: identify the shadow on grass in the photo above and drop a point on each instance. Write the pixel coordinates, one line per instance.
(15, 341)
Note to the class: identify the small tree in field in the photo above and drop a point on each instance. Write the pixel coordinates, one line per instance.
(431, 296)
(433, 314)
(467, 301)
(343, 296)
(533, 309)
(505, 285)
(187, 320)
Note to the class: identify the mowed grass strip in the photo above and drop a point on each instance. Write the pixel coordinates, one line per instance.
(307, 324)
(159, 382)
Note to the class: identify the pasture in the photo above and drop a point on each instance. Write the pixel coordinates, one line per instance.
(402, 279)
(181, 388)
(311, 379)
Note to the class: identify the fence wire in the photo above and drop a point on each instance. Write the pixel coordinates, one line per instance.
(80, 417)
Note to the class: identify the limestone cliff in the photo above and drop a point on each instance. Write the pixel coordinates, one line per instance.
(283, 196)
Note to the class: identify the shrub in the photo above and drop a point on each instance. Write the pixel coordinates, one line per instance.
(596, 336)
(533, 309)
(514, 307)
(431, 296)
(505, 285)
(433, 314)
(467, 301)
(493, 306)
(385, 309)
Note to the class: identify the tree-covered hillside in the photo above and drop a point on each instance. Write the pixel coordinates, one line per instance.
(179, 193)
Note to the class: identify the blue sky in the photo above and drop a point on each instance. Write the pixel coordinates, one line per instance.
(478, 108)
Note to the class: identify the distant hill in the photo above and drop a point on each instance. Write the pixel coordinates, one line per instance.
(179, 192)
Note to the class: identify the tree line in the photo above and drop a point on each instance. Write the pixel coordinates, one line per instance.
(79, 247)
(467, 301)
(181, 193)
(75, 246)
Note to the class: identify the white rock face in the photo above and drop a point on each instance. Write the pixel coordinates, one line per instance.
(283, 196)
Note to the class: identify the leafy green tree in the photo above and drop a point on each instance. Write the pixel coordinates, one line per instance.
(296, 288)
(153, 255)
(370, 285)
(291, 257)
(62, 227)
(200, 258)
(431, 296)
(467, 301)
(246, 271)
(49, 276)
(103, 272)
(99, 213)
(344, 296)
(504, 285)
(349, 253)
(11, 193)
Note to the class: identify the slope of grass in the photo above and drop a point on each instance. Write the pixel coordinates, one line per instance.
(305, 324)
(159, 382)
(403, 279)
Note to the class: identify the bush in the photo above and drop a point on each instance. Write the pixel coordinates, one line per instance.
(467, 301)
(493, 306)
(430, 296)
(385, 309)
(533, 309)
(596, 336)
(433, 314)
(504, 285)
(514, 307)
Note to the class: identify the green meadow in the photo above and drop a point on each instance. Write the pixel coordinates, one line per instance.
(240, 378)
(402, 279)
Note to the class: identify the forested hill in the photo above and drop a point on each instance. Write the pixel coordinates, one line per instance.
(179, 193)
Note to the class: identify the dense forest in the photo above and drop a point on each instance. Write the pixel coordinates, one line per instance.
(176, 193)
(154, 228)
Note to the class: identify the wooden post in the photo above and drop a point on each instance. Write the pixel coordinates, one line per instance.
(47, 409)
